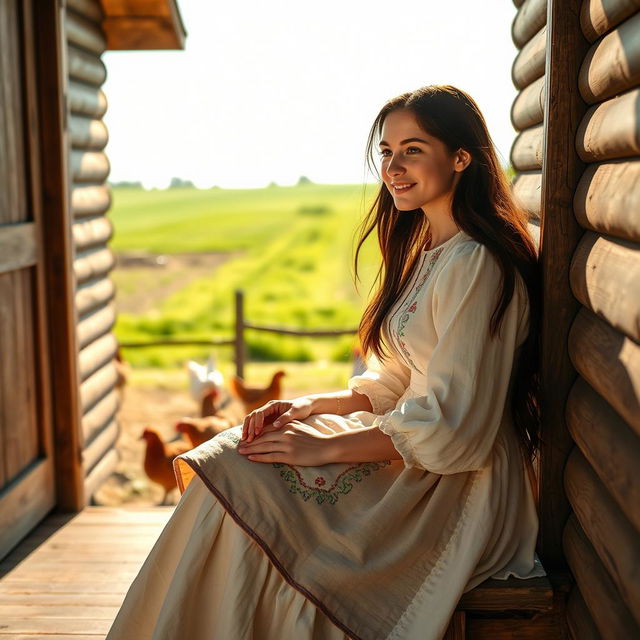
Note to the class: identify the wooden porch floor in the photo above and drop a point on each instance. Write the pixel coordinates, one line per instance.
(67, 579)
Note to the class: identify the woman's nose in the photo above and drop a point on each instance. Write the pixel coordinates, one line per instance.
(394, 167)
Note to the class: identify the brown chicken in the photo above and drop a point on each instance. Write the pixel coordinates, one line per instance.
(199, 430)
(158, 459)
(215, 417)
(253, 397)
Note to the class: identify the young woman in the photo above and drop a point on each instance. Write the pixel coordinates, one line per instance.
(367, 513)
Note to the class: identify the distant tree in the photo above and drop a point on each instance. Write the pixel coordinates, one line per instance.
(124, 184)
(272, 184)
(178, 183)
(303, 180)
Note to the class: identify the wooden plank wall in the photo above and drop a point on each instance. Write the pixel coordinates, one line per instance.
(92, 230)
(578, 170)
(601, 538)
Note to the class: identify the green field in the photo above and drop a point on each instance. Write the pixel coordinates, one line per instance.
(293, 249)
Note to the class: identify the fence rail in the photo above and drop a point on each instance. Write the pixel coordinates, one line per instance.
(238, 341)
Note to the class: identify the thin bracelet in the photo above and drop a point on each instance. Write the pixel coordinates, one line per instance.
(339, 411)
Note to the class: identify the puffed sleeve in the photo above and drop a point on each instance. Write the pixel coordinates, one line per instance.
(382, 383)
(452, 427)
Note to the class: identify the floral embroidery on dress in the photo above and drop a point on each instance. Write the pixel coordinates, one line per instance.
(342, 484)
(411, 307)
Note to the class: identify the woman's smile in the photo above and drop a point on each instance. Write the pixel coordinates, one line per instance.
(400, 188)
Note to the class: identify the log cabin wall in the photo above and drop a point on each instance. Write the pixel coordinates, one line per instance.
(577, 157)
(601, 536)
(91, 230)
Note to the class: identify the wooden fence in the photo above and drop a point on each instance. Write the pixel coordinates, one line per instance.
(238, 341)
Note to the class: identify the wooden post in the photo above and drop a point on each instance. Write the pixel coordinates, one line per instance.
(57, 246)
(239, 341)
(559, 236)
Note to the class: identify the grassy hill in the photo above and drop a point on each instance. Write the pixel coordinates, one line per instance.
(292, 248)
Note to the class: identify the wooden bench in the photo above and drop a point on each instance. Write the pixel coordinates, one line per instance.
(513, 608)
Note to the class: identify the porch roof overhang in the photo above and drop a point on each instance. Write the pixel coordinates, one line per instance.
(142, 24)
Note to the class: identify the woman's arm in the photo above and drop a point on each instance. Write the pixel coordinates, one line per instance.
(361, 445)
(340, 402)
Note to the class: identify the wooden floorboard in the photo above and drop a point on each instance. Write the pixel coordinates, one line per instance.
(67, 579)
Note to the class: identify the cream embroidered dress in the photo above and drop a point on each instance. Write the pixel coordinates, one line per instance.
(363, 550)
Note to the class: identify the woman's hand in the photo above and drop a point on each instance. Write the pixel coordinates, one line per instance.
(274, 415)
(298, 444)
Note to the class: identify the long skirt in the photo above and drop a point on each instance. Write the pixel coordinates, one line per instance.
(270, 551)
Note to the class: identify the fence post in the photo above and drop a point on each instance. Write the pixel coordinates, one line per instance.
(239, 341)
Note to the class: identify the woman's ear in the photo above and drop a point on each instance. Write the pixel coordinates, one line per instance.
(462, 160)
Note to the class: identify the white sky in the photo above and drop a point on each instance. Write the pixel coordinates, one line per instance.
(272, 90)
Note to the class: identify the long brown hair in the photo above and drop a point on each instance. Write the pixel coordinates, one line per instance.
(484, 208)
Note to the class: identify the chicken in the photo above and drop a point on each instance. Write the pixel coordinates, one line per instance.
(158, 459)
(213, 419)
(204, 378)
(253, 397)
(199, 430)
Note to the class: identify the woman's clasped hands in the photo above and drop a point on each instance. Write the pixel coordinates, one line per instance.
(275, 433)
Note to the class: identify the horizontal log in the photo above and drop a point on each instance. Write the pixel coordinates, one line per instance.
(96, 354)
(84, 34)
(99, 445)
(613, 619)
(528, 107)
(87, 100)
(90, 295)
(91, 232)
(17, 246)
(612, 64)
(90, 200)
(527, 190)
(609, 362)
(579, 620)
(88, 133)
(98, 475)
(96, 324)
(534, 594)
(612, 449)
(526, 152)
(531, 17)
(607, 199)
(529, 63)
(98, 385)
(611, 129)
(93, 264)
(100, 415)
(597, 17)
(541, 626)
(605, 278)
(88, 68)
(613, 538)
(89, 9)
(89, 166)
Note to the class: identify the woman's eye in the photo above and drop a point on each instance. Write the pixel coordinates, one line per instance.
(386, 152)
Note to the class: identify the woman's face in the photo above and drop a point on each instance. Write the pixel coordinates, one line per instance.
(417, 168)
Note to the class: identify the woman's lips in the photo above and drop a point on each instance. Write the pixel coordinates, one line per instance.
(402, 188)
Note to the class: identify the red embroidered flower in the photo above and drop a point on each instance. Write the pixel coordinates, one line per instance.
(320, 481)
(413, 307)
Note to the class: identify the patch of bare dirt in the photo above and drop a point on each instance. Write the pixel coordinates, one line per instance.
(145, 279)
